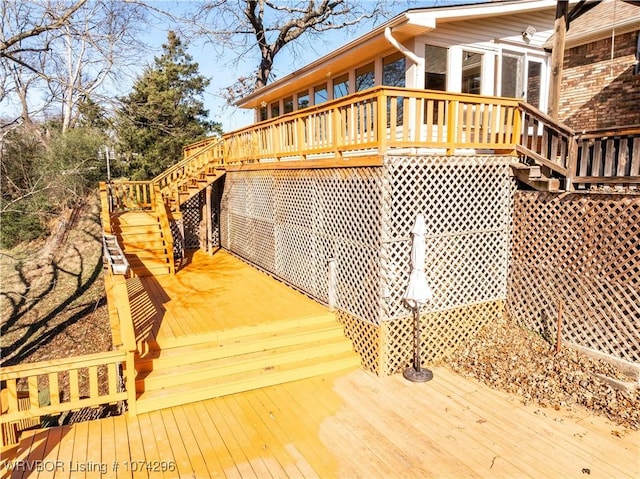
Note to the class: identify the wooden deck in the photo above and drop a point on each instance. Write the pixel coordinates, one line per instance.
(345, 425)
(212, 294)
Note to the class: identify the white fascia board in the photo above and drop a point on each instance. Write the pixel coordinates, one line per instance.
(421, 19)
(495, 8)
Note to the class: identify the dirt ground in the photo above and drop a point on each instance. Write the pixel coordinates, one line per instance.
(52, 301)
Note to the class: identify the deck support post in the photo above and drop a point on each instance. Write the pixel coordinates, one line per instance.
(208, 222)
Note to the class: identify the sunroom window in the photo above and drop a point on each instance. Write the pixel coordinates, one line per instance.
(288, 104)
(303, 100)
(435, 68)
(320, 94)
(393, 70)
(365, 77)
(341, 86)
(275, 109)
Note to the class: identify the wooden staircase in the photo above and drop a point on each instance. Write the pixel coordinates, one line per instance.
(195, 368)
(144, 242)
(192, 185)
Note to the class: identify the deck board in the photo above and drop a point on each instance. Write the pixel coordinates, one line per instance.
(214, 293)
(349, 425)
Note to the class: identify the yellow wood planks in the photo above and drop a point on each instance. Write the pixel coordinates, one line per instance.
(347, 425)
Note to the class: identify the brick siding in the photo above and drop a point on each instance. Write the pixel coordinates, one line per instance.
(598, 91)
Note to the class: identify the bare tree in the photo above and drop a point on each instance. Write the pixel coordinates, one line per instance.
(66, 51)
(267, 27)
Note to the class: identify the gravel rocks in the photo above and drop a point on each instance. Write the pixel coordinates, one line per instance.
(507, 357)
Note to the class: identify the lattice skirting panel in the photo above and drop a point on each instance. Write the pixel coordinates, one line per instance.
(467, 204)
(389, 348)
(295, 223)
(291, 223)
(581, 250)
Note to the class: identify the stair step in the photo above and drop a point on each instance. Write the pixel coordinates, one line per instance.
(143, 270)
(206, 389)
(247, 334)
(147, 254)
(137, 229)
(154, 247)
(187, 373)
(218, 348)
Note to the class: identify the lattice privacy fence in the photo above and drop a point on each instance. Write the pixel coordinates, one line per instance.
(582, 250)
(292, 222)
(191, 218)
(190, 230)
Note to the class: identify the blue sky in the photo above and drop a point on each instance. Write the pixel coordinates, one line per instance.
(224, 71)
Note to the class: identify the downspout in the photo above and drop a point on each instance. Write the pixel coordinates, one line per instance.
(400, 47)
(411, 56)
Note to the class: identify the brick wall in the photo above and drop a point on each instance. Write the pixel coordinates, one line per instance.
(598, 91)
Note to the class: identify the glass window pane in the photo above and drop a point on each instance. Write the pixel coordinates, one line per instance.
(471, 72)
(393, 70)
(341, 86)
(365, 77)
(275, 109)
(320, 94)
(262, 113)
(303, 100)
(534, 72)
(512, 75)
(288, 104)
(435, 68)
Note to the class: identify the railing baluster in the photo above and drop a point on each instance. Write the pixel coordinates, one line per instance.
(54, 389)
(74, 385)
(93, 381)
(32, 384)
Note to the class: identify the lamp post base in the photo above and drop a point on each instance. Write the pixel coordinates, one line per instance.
(417, 375)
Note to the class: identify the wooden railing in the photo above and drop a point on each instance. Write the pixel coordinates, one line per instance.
(130, 195)
(194, 148)
(608, 156)
(204, 153)
(162, 212)
(379, 119)
(122, 330)
(34, 390)
(374, 121)
(546, 141)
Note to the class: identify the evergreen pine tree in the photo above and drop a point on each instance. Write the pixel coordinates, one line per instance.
(163, 112)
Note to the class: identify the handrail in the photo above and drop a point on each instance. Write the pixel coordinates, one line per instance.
(163, 215)
(547, 141)
(193, 148)
(373, 121)
(105, 204)
(209, 145)
(123, 331)
(125, 195)
(85, 390)
(378, 119)
(608, 156)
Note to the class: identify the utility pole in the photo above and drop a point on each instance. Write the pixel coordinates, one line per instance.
(557, 56)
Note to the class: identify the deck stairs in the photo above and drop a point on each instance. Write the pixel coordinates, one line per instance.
(537, 177)
(190, 176)
(143, 242)
(188, 187)
(195, 368)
